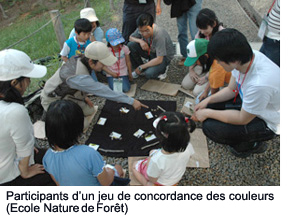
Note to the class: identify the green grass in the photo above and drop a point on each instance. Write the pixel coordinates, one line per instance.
(44, 43)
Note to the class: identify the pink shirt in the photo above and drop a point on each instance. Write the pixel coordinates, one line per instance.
(120, 65)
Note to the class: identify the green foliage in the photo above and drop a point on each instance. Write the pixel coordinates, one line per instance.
(44, 42)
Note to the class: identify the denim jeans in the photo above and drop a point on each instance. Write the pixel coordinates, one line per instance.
(126, 83)
(189, 16)
(271, 48)
(131, 13)
(135, 56)
(94, 75)
(240, 137)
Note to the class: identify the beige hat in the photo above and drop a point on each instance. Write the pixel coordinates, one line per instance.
(89, 13)
(15, 63)
(99, 51)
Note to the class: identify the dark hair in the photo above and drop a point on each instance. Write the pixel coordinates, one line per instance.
(145, 19)
(207, 17)
(230, 45)
(64, 123)
(83, 25)
(205, 62)
(9, 93)
(85, 61)
(172, 131)
(97, 23)
(109, 45)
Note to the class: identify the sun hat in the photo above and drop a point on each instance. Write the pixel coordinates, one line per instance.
(114, 36)
(89, 13)
(15, 63)
(99, 51)
(195, 49)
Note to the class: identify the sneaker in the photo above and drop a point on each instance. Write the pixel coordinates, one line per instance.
(238, 153)
(258, 148)
(164, 75)
(135, 75)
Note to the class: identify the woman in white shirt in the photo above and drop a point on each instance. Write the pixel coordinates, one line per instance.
(16, 133)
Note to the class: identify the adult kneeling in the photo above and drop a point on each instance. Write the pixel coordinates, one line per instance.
(255, 84)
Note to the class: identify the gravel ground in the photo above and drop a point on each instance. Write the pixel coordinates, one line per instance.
(225, 169)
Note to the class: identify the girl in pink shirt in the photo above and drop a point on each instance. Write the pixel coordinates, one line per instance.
(121, 70)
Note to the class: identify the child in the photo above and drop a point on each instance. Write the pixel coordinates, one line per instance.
(76, 45)
(122, 68)
(199, 64)
(208, 24)
(217, 76)
(68, 163)
(167, 165)
(97, 32)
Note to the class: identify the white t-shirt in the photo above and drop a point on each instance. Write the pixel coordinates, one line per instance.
(260, 91)
(16, 139)
(169, 168)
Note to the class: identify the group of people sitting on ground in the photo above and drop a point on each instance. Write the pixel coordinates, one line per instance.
(237, 89)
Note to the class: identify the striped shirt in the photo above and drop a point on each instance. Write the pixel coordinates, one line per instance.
(274, 22)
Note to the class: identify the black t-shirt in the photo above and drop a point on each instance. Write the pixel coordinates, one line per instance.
(136, 2)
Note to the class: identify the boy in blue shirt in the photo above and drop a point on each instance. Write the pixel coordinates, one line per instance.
(76, 45)
(97, 32)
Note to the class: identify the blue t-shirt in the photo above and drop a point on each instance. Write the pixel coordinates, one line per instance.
(77, 166)
(75, 48)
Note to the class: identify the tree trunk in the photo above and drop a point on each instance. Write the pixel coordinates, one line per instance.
(87, 4)
(112, 5)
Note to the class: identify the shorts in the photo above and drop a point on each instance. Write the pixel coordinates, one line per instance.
(141, 167)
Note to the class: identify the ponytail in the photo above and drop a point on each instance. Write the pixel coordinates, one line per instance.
(173, 131)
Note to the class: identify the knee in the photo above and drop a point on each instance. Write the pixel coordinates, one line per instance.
(151, 74)
(195, 93)
(132, 46)
(207, 127)
(187, 83)
(126, 88)
(197, 90)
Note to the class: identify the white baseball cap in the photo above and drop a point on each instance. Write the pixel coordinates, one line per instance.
(99, 51)
(89, 13)
(15, 63)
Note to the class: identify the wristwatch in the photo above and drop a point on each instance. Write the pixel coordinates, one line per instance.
(140, 68)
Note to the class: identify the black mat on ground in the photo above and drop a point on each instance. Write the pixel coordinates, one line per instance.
(127, 125)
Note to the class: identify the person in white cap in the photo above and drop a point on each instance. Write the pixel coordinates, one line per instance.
(73, 81)
(17, 165)
(97, 32)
